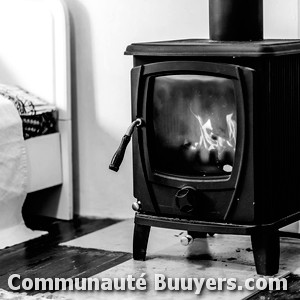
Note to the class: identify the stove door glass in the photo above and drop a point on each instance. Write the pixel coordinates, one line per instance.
(194, 125)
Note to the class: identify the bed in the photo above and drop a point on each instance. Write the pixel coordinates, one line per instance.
(35, 56)
(39, 121)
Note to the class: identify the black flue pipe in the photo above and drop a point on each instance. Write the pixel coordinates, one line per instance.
(236, 20)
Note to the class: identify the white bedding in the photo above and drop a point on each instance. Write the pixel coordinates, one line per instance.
(13, 177)
(13, 165)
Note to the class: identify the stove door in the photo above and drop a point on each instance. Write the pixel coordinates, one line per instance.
(195, 122)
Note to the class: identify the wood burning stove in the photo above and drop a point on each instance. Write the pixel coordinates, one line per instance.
(216, 149)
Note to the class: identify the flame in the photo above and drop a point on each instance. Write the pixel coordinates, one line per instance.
(209, 140)
(231, 127)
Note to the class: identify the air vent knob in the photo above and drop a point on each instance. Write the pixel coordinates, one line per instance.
(136, 206)
(186, 240)
(185, 198)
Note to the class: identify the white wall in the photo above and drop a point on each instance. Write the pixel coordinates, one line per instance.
(101, 30)
(281, 19)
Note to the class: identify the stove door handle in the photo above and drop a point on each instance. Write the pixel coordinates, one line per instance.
(119, 155)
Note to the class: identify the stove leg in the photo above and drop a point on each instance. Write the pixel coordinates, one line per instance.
(140, 241)
(266, 251)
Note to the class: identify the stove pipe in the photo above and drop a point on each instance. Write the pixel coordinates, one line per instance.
(236, 20)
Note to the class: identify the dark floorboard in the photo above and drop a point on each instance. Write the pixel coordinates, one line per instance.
(293, 291)
(64, 262)
(44, 258)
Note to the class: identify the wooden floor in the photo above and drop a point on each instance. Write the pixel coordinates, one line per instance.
(45, 258)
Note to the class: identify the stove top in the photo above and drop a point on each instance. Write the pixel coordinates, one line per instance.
(205, 47)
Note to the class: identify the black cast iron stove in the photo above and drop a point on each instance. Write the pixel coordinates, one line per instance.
(216, 148)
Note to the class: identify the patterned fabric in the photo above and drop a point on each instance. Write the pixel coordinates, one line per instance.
(40, 124)
(38, 116)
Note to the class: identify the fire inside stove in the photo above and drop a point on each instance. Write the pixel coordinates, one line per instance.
(194, 125)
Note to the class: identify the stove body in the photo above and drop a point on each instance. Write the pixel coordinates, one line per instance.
(260, 86)
(184, 176)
